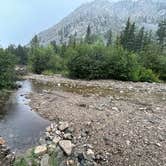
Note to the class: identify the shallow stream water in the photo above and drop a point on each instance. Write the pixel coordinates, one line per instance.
(19, 125)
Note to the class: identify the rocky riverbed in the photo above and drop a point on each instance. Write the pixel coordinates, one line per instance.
(100, 123)
(6, 156)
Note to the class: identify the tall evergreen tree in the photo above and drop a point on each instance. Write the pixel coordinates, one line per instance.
(147, 39)
(22, 54)
(131, 38)
(35, 41)
(54, 45)
(161, 34)
(109, 38)
(88, 37)
(72, 40)
(124, 34)
(127, 38)
(139, 40)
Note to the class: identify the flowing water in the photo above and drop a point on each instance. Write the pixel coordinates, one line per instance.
(20, 126)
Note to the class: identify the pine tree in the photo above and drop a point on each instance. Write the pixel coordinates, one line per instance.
(127, 38)
(109, 38)
(147, 38)
(124, 34)
(88, 38)
(161, 34)
(21, 53)
(35, 41)
(131, 38)
(54, 45)
(72, 40)
(139, 40)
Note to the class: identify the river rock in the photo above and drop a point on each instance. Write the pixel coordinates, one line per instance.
(2, 141)
(68, 136)
(115, 109)
(66, 146)
(48, 129)
(45, 160)
(63, 125)
(90, 153)
(39, 150)
(70, 163)
(56, 140)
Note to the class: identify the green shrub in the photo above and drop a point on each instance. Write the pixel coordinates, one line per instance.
(90, 63)
(48, 72)
(150, 57)
(162, 67)
(7, 72)
(44, 59)
(39, 58)
(147, 75)
(21, 162)
(123, 65)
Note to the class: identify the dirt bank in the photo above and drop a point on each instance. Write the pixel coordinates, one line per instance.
(124, 122)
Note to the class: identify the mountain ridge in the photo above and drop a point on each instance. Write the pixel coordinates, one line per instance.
(103, 15)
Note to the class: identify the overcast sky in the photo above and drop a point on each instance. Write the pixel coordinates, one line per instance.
(20, 20)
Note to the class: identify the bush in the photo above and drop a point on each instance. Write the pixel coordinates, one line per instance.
(123, 65)
(39, 58)
(150, 57)
(48, 72)
(97, 62)
(147, 75)
(162, 68)
(7, 72)
(44, 59)
(91, 62)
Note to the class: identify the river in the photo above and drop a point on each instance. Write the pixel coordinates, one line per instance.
(19, 125)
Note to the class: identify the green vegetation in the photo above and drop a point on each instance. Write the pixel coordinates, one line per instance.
(134, 55)
(20, 52)
(7, 74)
(30, 157)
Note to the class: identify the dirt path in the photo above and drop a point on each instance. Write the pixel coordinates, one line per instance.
(125, 122)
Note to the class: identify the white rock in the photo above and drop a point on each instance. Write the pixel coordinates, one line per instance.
(63, 125)
(90, 153)
(128, 142)
(66, 146)
(40, 149)
(58, 132)
(56, 140)
(2, 141)
(48, 129)
(67, 136)
(115, 108)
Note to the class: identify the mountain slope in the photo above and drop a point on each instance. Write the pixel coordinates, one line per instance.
(103, 15)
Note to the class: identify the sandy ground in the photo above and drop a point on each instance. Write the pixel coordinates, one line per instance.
(125, 122)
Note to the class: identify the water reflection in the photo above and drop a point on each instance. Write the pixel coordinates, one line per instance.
(20, 126)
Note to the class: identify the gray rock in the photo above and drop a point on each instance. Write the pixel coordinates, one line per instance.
(90, 154)
(40, 150)
(68, 136)
(66, 146)
(56, 140)
(63, 125)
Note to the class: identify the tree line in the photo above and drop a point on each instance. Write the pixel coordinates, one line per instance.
(133, 55)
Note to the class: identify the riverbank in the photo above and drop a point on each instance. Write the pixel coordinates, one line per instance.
(124, 122)
(20, 128)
